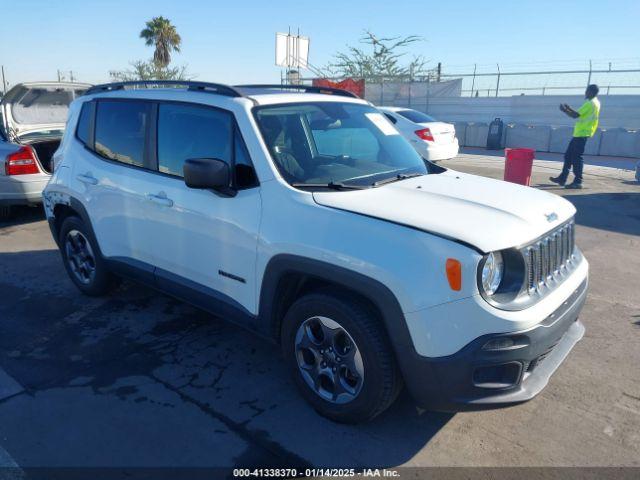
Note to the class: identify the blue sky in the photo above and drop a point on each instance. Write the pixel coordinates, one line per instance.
(234, 41)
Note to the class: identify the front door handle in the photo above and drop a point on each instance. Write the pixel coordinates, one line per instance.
(160, 199)
(87, 179)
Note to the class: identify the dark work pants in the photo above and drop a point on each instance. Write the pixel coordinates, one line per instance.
(573, 158)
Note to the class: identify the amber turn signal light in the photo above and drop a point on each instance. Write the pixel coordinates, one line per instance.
(454, 274)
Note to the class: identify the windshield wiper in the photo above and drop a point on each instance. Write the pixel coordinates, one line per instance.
(400, 176)
(331, 185)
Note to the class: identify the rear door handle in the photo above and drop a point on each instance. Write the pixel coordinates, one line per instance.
(87, 179)
(160, 200)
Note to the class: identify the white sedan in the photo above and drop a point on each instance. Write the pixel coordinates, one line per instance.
(432, 139)
(32, 120)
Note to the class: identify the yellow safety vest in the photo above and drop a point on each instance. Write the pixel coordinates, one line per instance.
(587, 123)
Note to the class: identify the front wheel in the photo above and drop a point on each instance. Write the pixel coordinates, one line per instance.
(80, 254)
(340, 357)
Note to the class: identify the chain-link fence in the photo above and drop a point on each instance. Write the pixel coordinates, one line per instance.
(617, 77)
(566, 78)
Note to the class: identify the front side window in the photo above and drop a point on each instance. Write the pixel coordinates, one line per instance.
(120, 130)
(191, 131)
(332, 142)
(244, 171)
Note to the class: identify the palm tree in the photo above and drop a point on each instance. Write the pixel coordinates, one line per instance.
(163, 35)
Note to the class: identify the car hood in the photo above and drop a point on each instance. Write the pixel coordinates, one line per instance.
(485, 213)
(38, 106)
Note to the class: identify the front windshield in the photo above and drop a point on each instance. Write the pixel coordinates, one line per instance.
(331, 142)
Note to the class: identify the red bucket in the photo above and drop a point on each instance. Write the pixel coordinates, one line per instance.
(518, 164)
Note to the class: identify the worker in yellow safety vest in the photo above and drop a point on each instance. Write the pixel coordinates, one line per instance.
(585, 127)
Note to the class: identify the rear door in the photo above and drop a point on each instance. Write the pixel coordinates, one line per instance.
(113, 175)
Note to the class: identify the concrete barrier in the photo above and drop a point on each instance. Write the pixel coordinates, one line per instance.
(461, 130)
(528, 136)
(560, 137)
(615, 142)
(476, 134)
(620, 142)
(617, 110)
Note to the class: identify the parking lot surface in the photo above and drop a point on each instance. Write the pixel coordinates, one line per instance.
(138, 379)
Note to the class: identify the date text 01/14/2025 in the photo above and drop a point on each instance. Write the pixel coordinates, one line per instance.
(313, 472)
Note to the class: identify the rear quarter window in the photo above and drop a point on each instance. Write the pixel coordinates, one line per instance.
(120, 130)
(84, 123)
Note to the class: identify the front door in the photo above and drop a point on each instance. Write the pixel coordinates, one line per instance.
(203, 241)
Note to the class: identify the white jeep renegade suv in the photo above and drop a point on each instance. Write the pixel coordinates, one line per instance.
(302, 214)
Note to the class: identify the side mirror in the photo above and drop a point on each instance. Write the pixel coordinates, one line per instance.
(208, 173)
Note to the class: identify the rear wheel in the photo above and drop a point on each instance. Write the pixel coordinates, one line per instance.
(340, 357)
(80, 253)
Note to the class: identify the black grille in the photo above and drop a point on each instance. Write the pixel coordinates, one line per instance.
(549, 257)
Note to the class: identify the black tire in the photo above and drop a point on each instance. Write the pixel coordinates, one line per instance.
(382, 381)
(102, 280)
(5, 212)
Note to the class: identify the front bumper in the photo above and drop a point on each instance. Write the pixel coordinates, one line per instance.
(475, 379)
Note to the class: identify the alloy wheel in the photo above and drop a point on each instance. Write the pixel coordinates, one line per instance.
(329, 360)
(80, 257)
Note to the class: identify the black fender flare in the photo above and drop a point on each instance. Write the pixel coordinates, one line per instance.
(371, 289)
(77, 206)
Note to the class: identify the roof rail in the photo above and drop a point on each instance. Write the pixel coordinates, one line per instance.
(217, 88)
(304, 88)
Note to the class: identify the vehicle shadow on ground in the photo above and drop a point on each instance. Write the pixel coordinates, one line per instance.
(615, 212)
(21, 215)
(53, 339)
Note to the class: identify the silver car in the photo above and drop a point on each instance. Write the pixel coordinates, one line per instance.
(33, 117)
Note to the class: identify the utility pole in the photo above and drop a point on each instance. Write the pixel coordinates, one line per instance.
(71, 75)
(439, 71)
(473, 81)
(4, 83)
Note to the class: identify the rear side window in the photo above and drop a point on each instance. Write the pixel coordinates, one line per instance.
(84, 122)
(190, 131)
(415, 116)
(120, 130)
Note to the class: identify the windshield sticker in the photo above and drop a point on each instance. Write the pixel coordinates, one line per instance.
(382, 123)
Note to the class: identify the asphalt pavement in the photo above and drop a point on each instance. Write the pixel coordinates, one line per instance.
(138, 379)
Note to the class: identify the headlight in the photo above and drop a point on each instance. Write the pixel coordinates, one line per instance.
(492, 272)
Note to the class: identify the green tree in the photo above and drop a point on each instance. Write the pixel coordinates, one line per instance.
(141, 70)
(383, 57)
(160, 32)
